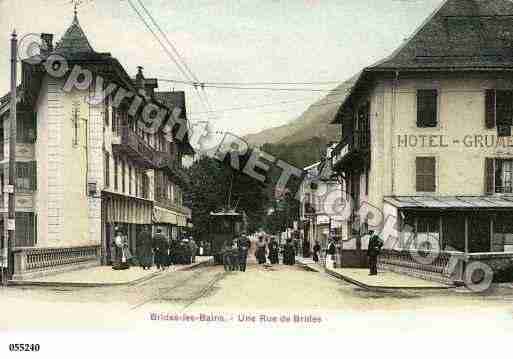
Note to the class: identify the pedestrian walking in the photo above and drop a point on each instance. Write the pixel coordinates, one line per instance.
(289, 253)
(194, 249)
(273, 251)
(144, 249)
(123, 254)
(316, 249)
(261, 250)
(375, 245)
(173, 252)
(243, 245)
(227, 256)
(330, 253)
(161, 248)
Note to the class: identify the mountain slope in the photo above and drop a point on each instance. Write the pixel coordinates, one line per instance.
(314, 122)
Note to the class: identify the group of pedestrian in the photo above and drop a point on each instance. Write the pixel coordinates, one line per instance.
(373, 251)
(235, 253)
(269, 249)
(156, 250)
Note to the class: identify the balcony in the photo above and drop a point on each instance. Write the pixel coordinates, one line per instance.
(133, 146)
(353, 152)
(309, 209)
(166, 162)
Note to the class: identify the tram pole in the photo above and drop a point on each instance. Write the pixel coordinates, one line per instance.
(11, 220)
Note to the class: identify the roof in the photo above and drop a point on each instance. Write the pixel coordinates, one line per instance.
(460, 33)
(464, 35)
(74, 40)
(171, 99)
(450, 202)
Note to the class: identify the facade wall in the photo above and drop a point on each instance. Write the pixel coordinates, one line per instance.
(458, 142)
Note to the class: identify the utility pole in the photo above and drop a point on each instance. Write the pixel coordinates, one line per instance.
(11, 221)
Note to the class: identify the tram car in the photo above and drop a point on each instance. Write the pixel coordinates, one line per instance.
(225, 226)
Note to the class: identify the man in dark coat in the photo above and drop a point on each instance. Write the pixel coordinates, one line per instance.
(316, 249)
(289, 253)
(144, 249)
(161, 247)
(375, 244)
(227, 256)
(243, 245)
(273, 251)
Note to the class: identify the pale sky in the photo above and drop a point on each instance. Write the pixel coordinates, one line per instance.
(233, 41)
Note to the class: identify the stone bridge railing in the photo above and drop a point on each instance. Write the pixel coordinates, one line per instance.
(444, 266)
(30, 262)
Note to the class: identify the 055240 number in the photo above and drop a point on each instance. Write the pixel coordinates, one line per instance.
(24, 347)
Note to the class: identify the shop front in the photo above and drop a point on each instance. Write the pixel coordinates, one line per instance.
(125, 214)
(466, 227)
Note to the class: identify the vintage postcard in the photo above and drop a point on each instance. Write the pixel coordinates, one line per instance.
(238, 176)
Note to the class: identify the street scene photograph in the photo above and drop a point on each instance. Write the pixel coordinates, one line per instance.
(299, 167)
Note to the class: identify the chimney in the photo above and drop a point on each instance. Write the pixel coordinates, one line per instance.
(139, 78)
(46, 44)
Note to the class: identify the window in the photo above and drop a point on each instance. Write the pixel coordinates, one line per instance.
(145, 186)
(426, 174)
(136, 181)
(498, 175)
(427, 108)
(129, 179)
(499, 110)
(428, 230)
(503, 176)
(115, 173)
(26, 176)
(25, 229)
(75, 119)
(106, 167)
(123, 177)
(26, 127)
(106, 110)
(502, 240)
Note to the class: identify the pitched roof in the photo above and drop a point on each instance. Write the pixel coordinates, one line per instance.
(74, 40)
(460, 33)
(171, 99)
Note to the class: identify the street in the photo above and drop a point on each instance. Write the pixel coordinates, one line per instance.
(208, 289)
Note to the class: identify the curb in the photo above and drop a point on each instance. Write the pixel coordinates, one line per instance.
(380, 287)
(98, 285)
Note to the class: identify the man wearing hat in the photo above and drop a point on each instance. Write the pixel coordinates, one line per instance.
(243, 244)
(375, 244)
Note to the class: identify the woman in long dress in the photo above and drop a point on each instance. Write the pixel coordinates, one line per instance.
(289, 253)
(260, 252)
(144, 249)
(273, 251)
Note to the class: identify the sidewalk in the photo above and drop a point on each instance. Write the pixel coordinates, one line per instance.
(105, 276)
(383, 281)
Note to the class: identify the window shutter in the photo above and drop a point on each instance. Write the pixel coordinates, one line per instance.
(489, 175)
(425, 174)
(490, 109)
(427, 104)
(419, 164)
(33, 174)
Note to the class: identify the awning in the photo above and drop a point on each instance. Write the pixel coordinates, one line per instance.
(121, 209)
(451, 202)
(163, 215)
(182, 221)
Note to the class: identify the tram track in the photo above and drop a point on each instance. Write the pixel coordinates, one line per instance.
(183, 285)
